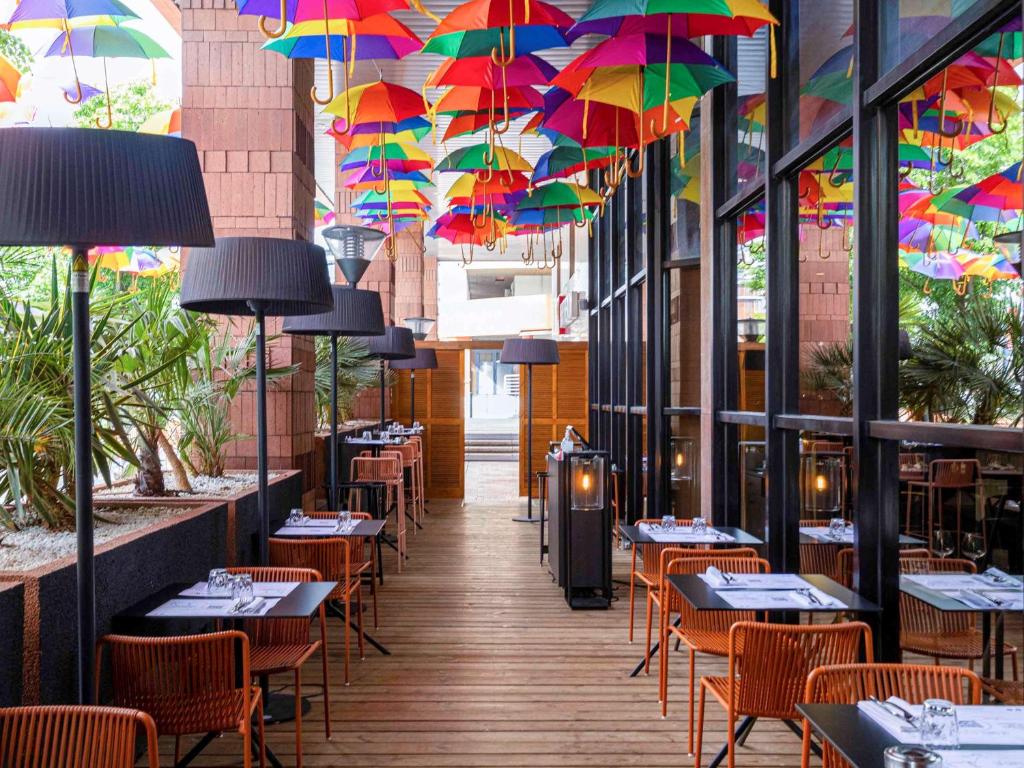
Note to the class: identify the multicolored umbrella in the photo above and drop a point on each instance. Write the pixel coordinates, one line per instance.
(483, 158)
(501, 29)
(296, 11)
(322, 214)
(481, 71)
(381, 105)
(10, 76)
(105, 42)
(570, 159)
(700, 18)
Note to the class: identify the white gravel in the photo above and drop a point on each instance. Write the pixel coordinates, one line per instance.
(202, 486)
(36, 546)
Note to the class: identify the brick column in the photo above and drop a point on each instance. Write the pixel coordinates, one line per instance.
(250, 114)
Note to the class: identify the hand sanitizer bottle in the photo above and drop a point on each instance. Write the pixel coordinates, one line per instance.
(567, 443)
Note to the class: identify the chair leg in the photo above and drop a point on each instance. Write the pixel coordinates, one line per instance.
(663, 666)
(632, 602)
(348, 619)
(323, 659)
(298, 719)
(177, 749)
(731, 724)
(700, 727)
(693, 664)
(373, 583)
(650, 618)
(359, 621)
(261, 734)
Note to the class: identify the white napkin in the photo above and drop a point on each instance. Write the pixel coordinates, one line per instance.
(1000, 578)
(824, 600)
(714, 577)
(255, 608)
(974, 601)
(896, 726)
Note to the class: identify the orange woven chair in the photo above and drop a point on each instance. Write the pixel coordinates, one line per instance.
(420, 477)
(850, 683)
(74, 737)
(951, 475)
(942, 634)
(648, 573)
(284, 645)
(333, 559)
(655, 596)
(411, 489)
(364, 553)
(701, 631)
(387, 470)
(768, 668)
(187, 685)
(1004, 691)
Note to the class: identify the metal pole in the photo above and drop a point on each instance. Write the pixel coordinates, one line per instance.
(261, 436)
(83, 473)
(412, 397)
(529, 441)
(333, 500)
(381, 395)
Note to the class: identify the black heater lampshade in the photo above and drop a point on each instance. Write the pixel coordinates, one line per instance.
(280, 277)
(425, 359)
(529, 352)
(82, 188)
(396, 344)
(355, 313)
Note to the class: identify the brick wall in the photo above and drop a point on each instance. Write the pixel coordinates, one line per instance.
(250, 114)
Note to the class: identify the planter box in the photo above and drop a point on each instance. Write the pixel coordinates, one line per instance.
(242, 522)
(12, 619)
(129, 568)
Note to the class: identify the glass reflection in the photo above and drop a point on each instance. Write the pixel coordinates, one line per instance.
(750, 310)
(909, 24)
(826, 64)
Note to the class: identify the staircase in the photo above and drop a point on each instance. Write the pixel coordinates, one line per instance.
(484, 446)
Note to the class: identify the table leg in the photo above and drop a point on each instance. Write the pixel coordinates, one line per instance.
(741, 734)
(193, 753)
(254, 741)
(366, 635)
(986, 644)
(650, 653)
(999, 640)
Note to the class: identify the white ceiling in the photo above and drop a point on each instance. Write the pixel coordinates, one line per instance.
(412, 72)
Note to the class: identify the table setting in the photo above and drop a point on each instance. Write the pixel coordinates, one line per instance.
(990, 590)
(224, 595)
(299, 525)
(768, 591)
(698, 532)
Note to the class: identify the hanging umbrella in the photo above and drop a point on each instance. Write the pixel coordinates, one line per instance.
(377, 104)
(481, 157)
(559, 194)
(568, 160)
(501, 29)
(700, 18)
(297, 11)
(10, 76)
(367, 176)
(167, 123)
(470, 186)
(459, 229)
(477, 99)
(361, 136)
(527, 69)
(465, 123)
(408, 157)
(322, 214)
(106, 42)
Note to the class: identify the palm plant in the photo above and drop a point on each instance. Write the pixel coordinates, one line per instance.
(36, 412)
(356, 371)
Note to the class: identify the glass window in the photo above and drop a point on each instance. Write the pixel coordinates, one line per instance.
(909, 24)
(825, 256)
(750, 310)
(684, 329)
(751, 70)
(961, 298)
(826, 64)
(684, 178)
(684, 465)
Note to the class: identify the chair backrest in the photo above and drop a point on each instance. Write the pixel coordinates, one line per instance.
(911, 460)
(774, 660)
(844, 567)
(186, 683)
(912, 553)
(650, 553)
(919, 618)
(74, 737)
(850, 683)
(329, 557)
(817, 522)
(824, 446)
(708, 621)
(406, 452)
(383, 468)
(277, 631)
(954, 473)
(357, 545)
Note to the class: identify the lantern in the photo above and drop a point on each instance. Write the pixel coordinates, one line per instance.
(587, 482)
(822, 484)
(682, 458)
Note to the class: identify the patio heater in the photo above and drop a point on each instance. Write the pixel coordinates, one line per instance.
(425, 359)
(529, 352)
(355, 313)
(420, 326)
(258, 277)
(79, 189)
(396, 344)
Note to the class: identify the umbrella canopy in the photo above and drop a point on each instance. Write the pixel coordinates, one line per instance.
(377, 37)
(527, 69)
(700, 17)
(568, 160)
(475, 158)
(110, 42)
(65, 14)
(167, 122)
(295, 11)
(559, 194)
(10, 76)
(479, 99)
(376, 104)
(499, 29)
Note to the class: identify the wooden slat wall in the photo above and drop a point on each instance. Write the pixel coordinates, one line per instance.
(439, 407)
(560, 397)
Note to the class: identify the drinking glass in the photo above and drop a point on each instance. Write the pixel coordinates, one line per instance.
(942, 543)
(939, 727)
(836, 527)
(218, 582)
(296, 516)
(367, 435)
(973, 546)
(668, 523)
(344, 520)
(241, 589)
(415, 425)
(699, 526)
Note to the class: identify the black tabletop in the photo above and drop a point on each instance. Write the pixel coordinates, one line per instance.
(944, 602)
(741, 537)
(362, 528)
(905, 541)
(300, 602)
(857, 737)
(704, 597)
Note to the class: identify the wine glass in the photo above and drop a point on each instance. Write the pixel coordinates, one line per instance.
(973, 546)
(942, 543)
(344, 520)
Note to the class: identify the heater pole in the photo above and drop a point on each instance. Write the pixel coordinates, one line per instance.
(381, 395)
(333, 501)
(261, 435)
(412, 397)
(83, 473)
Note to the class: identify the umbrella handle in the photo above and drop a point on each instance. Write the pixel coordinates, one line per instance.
(78, 83)
(330, 68)
(995, 84)
(110, 112)
(834, 177)
(635, 172)
(905, 170)
(500, 59)
(958, 122)
(273, 34)
(507, 119)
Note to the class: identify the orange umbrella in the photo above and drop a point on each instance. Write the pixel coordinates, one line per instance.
(9, 78)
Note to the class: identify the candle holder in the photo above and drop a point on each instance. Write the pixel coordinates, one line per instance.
(821, 485)
(587, 482)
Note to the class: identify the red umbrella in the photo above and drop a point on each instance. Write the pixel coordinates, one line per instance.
(528, 69)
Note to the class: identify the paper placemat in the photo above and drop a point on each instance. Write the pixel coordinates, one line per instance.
(210, 608)
(779, 600)
(982, 758)
(330, 528)
(979, 725)
(989, 599)
(682, 535)
(763, 581)
(259, 588)
(822, 535)
(944, 582)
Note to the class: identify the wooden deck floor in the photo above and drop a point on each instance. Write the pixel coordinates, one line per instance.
(491, 668)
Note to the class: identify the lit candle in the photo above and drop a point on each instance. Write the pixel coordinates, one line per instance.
(585, 481)
(680, 459)
(820, 483)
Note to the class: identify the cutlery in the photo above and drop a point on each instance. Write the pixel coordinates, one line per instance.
(993, 600)
(894, 709)
(728, 577)
(810, 596)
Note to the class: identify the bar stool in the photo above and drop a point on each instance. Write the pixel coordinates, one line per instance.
(912, 468)
(417, 440)
(956, 475)
(386, 469)
(414, 500)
